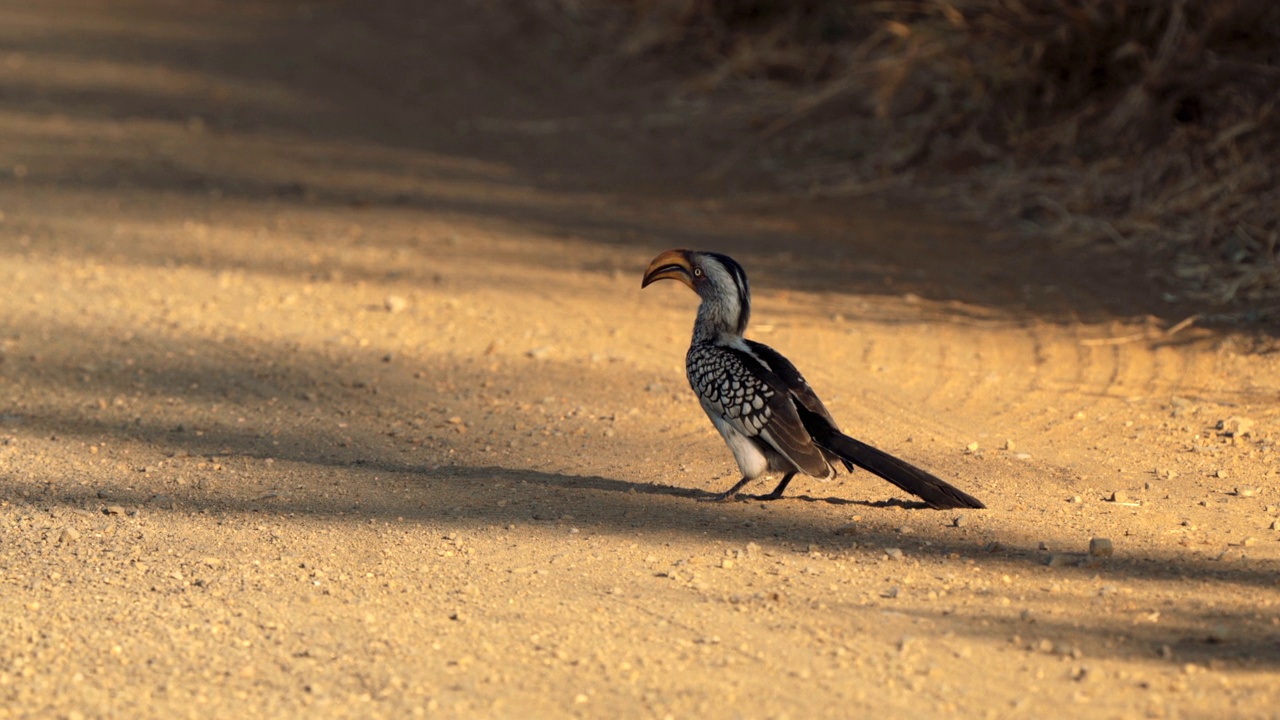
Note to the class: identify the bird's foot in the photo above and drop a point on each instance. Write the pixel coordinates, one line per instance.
(777, 492)
(729, 494)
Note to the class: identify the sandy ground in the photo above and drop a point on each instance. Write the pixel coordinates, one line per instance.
(329, 390)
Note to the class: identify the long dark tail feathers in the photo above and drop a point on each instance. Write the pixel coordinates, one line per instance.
(935, 491)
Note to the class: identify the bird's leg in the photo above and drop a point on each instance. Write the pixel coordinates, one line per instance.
(721, 497)
(777, 492)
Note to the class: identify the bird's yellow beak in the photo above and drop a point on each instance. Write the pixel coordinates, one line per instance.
(670, 265)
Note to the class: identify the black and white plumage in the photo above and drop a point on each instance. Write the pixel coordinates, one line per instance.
(768, 415)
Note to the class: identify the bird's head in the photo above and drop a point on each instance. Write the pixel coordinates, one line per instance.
(718, 279)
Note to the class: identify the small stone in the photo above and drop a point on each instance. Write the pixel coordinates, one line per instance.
(1060, 560)
(1100, 547)
(1275, 524)
(539, 353)
(394, 303)
(894, 553)
(1118, 497)
(1075, 499)
(958, 521)
(1008, 445)
(1236, 426)
(993, 547)
(850, 529)
(113, 510)
(971, 447)
(1244, 492)
(69, 535)
(1220, 474)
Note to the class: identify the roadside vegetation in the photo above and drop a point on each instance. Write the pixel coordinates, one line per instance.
(1146, 127)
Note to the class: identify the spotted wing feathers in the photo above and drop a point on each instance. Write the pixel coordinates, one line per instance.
(754, 401)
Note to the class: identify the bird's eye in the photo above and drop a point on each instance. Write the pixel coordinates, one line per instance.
(697, 272)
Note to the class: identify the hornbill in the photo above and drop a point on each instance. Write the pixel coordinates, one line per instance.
(768, 415)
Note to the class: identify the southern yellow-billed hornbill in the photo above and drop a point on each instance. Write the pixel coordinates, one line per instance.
(769, 416)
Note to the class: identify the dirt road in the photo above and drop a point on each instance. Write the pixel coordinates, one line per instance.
(329, 390)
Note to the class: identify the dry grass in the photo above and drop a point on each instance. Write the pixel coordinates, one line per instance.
(1144, 125)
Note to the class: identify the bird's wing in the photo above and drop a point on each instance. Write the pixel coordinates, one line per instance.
(753, 400)
(801, 393)
(792, 378)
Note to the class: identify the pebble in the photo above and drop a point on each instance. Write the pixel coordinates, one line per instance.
(850, 529)
(894, 553)
(113, 510)
(1118, 497)
(394, 303)
(1100, 547)
(69, 535)
(1008, 445)
(1236, 426)
(539, 353)
(1244, 492)
(971, 447)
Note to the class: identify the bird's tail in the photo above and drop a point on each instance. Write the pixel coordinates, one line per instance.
(933, 490)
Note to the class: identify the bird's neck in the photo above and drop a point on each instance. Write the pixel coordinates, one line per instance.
(720, 323)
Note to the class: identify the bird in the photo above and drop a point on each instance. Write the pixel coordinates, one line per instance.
(770, 418)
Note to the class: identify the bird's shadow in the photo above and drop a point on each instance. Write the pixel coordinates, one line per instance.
(891, 502)
(707, 496)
